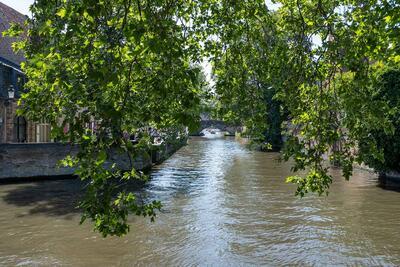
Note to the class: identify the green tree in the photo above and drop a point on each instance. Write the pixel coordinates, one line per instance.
(127, 64)
(124, 64)
(318, 57)
(386, 85)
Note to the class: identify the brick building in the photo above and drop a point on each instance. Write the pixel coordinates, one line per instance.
(13, 128)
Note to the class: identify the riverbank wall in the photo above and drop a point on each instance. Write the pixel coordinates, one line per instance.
(390, 179)
(40, 160)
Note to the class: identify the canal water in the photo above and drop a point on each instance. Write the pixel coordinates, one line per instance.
(223, 206)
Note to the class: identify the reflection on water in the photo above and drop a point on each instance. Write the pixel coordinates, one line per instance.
(223, 205)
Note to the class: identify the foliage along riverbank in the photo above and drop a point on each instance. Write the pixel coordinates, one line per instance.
(128, 64)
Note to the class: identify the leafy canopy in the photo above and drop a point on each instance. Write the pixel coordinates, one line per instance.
(128, 64)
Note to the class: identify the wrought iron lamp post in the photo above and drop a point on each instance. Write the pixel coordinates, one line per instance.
(11, 92)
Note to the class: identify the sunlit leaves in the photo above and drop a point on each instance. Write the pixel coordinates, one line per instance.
(100, 72)
(128, 64)
(61, 13)
(318, 56)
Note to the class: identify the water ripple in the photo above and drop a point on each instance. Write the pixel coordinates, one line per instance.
(223, 206)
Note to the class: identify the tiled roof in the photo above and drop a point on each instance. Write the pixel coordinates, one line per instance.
(8, 15)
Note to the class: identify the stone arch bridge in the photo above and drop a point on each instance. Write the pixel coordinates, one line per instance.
(217, 124)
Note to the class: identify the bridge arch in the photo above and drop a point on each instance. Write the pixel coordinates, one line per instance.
(217, 124)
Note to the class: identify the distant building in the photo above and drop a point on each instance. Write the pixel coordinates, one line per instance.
(13, 128)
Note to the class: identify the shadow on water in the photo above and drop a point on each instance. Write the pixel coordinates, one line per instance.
(52, 198)
(389, 183)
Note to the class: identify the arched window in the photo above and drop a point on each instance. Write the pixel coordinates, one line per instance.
(20, 129)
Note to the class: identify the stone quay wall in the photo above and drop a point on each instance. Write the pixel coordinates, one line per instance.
(39, 160)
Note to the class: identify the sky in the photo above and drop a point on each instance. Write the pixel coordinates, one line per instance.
(20, 5)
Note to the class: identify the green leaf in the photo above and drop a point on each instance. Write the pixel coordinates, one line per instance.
(62, 12)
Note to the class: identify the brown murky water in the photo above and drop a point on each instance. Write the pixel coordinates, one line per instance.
(223, 206)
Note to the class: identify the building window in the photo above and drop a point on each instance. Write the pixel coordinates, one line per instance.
(20, 129)
(5, 80)
(42, 132)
